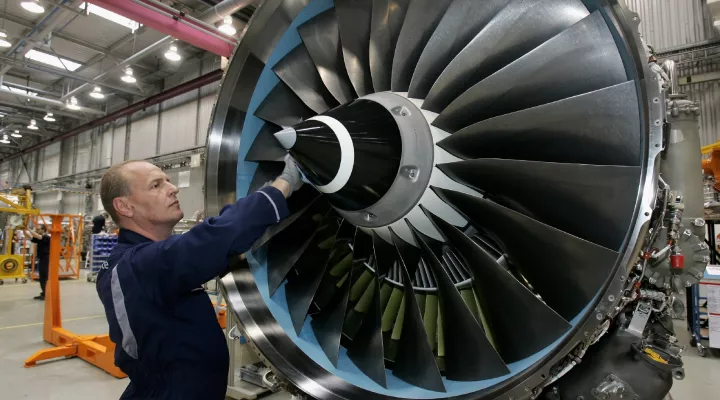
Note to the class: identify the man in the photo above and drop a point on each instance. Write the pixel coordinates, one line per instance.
(162, 322)
(42, 256)
(99, 222)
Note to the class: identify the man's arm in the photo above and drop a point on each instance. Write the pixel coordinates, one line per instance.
(184, 262)
(34, 235)
(175, 266)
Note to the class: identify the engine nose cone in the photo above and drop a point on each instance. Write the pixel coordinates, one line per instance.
(352, 160)
(286, 137)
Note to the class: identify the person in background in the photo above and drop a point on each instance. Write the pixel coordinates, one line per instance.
(163, 323)
(99, 222)
(42, 255)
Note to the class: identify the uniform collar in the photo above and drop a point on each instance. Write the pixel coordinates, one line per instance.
(130, 237)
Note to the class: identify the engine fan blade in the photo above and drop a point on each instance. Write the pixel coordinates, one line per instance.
(565, 270)
(367, 350)
(504, 301)
(266, 147)
(387, 20)
(414, 362)
(354, 21)
(282, 107)
(321, 36)
(538, 188)
(600, 127)
(298, 71)
(290, 244)
(264, 173)
(420, 21)
(469, 355)
(361, 293)
(385, 254)
(453, 267)
(517, 29)
(328, 323)
(461, 22)
(299, 203)
(339, 262)
(581, 59)
(300, 289)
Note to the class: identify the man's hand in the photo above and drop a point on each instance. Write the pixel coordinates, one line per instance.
(290, 179)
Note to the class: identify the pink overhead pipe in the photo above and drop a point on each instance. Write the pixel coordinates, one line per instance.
(172, 22)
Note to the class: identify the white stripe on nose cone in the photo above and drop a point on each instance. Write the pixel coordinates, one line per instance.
(347, 154)
(286, 137)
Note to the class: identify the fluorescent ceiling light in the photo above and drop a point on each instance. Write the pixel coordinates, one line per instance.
(111, 16)
(33, 6)
(16, 134)
(3, 40)
(97, 93)
(33, 125)
(128, 77)
(49, 117)
(5, 139)
(50, 59)
(72, 104)
(16, 90)
(172, 54)
(227, 26)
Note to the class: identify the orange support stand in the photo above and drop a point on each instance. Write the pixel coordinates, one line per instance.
(711, 166)
(98, 350)
(70, 246)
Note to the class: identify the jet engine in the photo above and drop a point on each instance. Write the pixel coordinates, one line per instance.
(485, 214)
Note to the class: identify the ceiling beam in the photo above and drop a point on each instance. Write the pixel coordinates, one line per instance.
(23, 106)
(66, 74)
(31, 89)
(49, 102)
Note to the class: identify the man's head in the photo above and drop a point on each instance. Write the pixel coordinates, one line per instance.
(139, 194)
(42, 229)
(105, 214)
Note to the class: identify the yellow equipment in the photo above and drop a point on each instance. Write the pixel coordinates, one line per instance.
(17, 201)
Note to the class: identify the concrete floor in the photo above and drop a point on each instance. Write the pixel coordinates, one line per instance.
(73, 379)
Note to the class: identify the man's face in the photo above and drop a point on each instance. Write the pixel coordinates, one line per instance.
(152, 197)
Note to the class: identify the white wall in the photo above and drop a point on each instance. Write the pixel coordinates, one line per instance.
(175, 131)
(118, 143)
(48, 202)
(106, 147)
(84, 148)
(72, 203)
(143, 136)
(50, 164)
(672, 23)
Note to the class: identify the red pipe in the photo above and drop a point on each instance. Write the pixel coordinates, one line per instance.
(196, 35)
(131, 109)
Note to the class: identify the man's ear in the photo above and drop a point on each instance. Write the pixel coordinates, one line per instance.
(122, 207)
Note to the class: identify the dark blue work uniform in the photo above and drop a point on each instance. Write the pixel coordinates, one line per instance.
(42, 255)
(164, 326)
